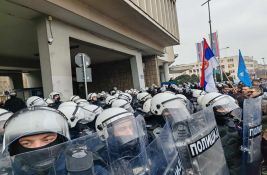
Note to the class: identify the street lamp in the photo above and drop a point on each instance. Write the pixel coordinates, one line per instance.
(224, 48)
(264, 67)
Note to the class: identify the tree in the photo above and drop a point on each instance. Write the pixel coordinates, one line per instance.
(186, 78)
(194, 78)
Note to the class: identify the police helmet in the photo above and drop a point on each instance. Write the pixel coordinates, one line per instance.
(125, 96)
(122, 104)
(35, 101)
(110, 99)
(4, 116)
(143, 96)
(53, 94)
(147, 106)
(32, 121)
(108, 117)
(162, 101)
(74, 97)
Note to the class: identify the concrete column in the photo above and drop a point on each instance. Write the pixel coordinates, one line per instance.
(54, 59)
(137, 71)
(162, 76)
(166, 71)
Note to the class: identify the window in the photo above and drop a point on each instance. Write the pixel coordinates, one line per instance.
(230, 60)
(231, 65)
(232, 71)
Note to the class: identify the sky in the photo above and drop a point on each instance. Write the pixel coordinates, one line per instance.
(241, 24)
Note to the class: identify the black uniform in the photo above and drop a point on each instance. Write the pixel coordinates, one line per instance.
(153, 122)
(14, 104)
(55, 105)
(231, 142)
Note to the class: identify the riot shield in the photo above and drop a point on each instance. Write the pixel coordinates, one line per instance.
(126, 146)
(5, 165)
(252, 127)
(72, 157)
(163, 156)
(198, 142)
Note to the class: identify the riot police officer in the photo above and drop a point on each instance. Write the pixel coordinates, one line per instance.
(125, 138)
(189, 130)
(38, 140)
(56, 98)
(81, 117)
(228, 117)
(4, 115)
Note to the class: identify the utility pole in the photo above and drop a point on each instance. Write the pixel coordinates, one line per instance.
(208, 2)
(211, 43)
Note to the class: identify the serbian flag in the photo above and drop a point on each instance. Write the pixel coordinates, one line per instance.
(209, 63)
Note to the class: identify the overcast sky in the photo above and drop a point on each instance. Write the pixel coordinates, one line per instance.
(241, 24)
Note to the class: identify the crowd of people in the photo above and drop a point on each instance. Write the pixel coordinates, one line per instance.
(172, 129)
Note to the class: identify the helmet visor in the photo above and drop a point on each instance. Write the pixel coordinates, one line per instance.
(123, 131)
(224, 105)
(126, 139)
(76, 155)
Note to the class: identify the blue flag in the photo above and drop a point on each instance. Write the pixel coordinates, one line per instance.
(242, 72)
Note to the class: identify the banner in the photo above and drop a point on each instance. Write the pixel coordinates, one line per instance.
(199, 48)
(215, 44)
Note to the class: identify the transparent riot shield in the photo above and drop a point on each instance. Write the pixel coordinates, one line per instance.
(198, 142)
(126, 140)
(69, 158)
(5, 165)
(163, 156)
(252, 128)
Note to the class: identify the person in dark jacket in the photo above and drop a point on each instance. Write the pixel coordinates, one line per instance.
(14, 104)
(231, 141)
(228, 116)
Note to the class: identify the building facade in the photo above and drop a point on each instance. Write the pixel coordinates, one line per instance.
(261, 71)
(228, 64)
(185, 69)
(129, 43)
